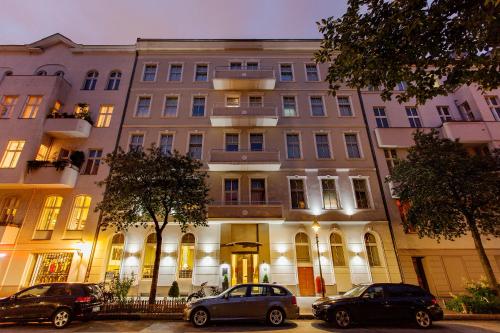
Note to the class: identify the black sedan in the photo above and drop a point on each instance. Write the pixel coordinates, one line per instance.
(387, 302)
(59, 303)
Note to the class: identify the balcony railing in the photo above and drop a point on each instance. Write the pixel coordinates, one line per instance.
(244, 115)
(58, 174)
(244, 160)
(244, 78)
(241, 209)
(67, 127)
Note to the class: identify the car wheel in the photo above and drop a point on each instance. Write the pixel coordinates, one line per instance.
(276, 317)
(341, 318)
(61, 318)
(200, 317)
(423, 319)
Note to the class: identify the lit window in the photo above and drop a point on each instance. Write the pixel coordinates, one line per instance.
(149, 74)
(198, 107)
(186, 259)
(317, 107)
(337, 248)
(8, 210)
(149, 257)
(293, 146)
(322, 146)
(352, 145)
(230, 191)
(104, 118)
(232, 142)
(302, 248)
(413, 117)
(166, 141)
(297, 194)
(312, 72)
(175, 73)
(256, 141)
(12, 154)
(171, 104)
(344, 106)
(232, 101)
(195, 146)
(494, 106)
(115, 255)
(114, 80)
(7, 105)
(361, 193)
(372, 250)
(50, 212)
(90, 80)
(41, 155)
(80, 212)
(289, 106)
(31, 107)
(390, 158)
(201, 73)
(286, 72)
(93, 162)
(257, 191)
(136, 142)
(380, 117)
(330, 195)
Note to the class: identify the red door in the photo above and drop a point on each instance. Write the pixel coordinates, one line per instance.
(306, 281)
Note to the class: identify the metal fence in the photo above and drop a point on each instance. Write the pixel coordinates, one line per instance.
(142, 306)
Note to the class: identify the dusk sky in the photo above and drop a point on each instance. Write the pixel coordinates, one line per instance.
(122, 21)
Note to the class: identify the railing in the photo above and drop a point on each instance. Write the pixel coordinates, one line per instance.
(244, 156)
(185, 274)
(250, 72)
(245, 109)
(143, 306)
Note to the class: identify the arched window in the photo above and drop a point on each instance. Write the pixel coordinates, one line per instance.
(59, 73)
(90, 80)
(186, 259)
(302, 248)
(80, 212)
(41, 73)
(116, 254)
(337, 248)
(114, 80)
(8, 210)
(149, 257)
(50, 212)
(372, 250)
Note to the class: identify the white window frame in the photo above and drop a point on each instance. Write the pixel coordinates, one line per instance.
(493, 108)
(413, 117)
(106, 116)
(441, 115)
(256, 95)
(362, 156)
(73, 207)
(238, 177)
(339, 200)
(131, 134)
(16, 154)
(329, 141)
(379, 117)
(238, 96)
(196, 64)
(261, 132)
(292, 69)
(226, 133)
(137, 105)
(283, 105)
(317, 72)
(170, 64)
(309, 97)
(266, 198)
(349, 97)
(10, 108)
(202, 142)
(306, 196)
(192, 104)
(144, 71)
(369, 193)
(342, 237)
(163, 115)
(298, 133)
(166, 132)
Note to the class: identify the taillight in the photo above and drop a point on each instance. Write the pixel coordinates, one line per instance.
(294, 300)
(434, 301)
(83, 299)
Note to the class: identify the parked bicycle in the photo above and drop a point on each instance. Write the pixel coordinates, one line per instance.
(213, 291)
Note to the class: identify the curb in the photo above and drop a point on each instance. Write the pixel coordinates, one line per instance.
(471, 316)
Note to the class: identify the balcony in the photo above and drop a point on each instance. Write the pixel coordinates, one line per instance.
(244, 115)
(67, 128)
(52, 175)
(244, 78)
(245, 210)
(8, 233)
(472, 132)
(396, 137)
(222, 160)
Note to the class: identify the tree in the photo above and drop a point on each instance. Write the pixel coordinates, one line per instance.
(381, 43)
(145, 186)
(449, 192)
(174, 290)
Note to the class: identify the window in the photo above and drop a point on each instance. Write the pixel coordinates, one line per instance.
(256, 291)
(235, 65)
(115, 255)
(57, 107)
(312, 72)
(337, 248)
(166, 141)
(329, 193)
(34, 292)
(361, 193)
(93, 162)
(466, 112)
(380, 117)
(232, 142)
(175, 73)
(289, 106)
(149, 257)
(232, 101)
(413, 117)
(41, 73)
(372, 250)
(143, 105)
(344, 104)
(352, 145)
(114, 80)
(171, 104)
(198, 107)
(258, 191)
(402, 86)
(186, 260)
(195, 146)
(201, 73)
(390, 158)
(297, 194)
(50, 212)
(293, 146)
(255, 101)
(444, 113)
(286, 72)
(302, 248)
(494, 106)
(31, 107)
(90, 80)
(322, 146)
(230, 191)
(256, 142)
(136, 142)
(149, 74)
(104, 118)
(42, 152)
(238, 292)
(80, 212)
(12, 154)
(8, 210)
(252, 65)
(49, 268)
(317, 108)
(7, 105)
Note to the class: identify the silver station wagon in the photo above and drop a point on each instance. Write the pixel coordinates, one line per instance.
(269, 302)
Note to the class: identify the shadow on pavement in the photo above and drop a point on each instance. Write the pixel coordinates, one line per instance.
(381, 327)
(248, 326)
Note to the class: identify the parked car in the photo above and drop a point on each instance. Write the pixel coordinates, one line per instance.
(269, 302)
(380, 302)
(59, 303)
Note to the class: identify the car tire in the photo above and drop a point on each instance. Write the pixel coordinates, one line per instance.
(61, 318)
(200, 317)
(423, 319)
(275, 317)
(341, 318)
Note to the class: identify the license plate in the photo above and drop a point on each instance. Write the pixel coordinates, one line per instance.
(96, 308)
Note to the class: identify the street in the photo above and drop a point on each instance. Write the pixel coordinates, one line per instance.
(297, 326)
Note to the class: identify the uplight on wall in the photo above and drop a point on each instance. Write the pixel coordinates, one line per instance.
(2, 255)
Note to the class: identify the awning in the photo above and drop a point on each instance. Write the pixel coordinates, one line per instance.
(243, 244)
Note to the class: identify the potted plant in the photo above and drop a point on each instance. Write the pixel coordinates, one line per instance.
(77, 158)
(174, 290)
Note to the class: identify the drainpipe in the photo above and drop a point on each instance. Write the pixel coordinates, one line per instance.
(380, 183)
(98, 228)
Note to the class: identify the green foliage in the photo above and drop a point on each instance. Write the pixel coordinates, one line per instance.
(381, 43)
(174, 290)
(481, 299)
(265, 279)
(225, 282)
(77, 158)
(121, 286)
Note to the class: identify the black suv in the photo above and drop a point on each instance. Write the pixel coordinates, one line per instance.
(380, 302)
(59, 303)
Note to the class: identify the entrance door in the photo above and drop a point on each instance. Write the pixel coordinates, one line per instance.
(245, 268)
(306, 281)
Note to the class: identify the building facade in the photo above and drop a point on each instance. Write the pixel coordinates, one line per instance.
(61, 108)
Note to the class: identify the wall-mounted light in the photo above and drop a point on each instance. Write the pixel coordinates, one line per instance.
(2, 255)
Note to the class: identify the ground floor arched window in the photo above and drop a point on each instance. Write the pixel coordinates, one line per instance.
(149, 257)
(372, 250)
(186, 257)
(115, 255)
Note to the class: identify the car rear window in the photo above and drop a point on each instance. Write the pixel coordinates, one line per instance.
(277, 291)
(259, 291)
(63, 290)
(404, 291)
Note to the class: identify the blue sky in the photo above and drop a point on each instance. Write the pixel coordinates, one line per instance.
(122, 21)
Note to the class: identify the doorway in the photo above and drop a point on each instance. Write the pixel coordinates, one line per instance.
(245, 268)
(306, 281)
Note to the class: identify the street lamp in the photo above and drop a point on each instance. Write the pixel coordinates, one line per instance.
(315, 226)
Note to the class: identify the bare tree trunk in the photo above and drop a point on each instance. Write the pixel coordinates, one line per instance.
(156, 268)
(483, 258)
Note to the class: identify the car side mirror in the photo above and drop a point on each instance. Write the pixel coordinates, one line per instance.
(368, 296)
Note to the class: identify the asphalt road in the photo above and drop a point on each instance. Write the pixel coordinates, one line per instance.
(298, 326)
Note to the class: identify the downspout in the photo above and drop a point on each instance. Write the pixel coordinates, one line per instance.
(98, 228)
(380, 183)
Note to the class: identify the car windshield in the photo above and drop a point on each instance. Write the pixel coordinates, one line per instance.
(355, 292)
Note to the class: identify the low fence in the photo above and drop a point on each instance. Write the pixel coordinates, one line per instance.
(142, 306)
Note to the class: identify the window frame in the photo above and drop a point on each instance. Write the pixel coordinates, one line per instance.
(93, 159)
(414, 117)
(341, 244)
(378, 117)
(205, 96)
(441, 115)
(108, 116)
(196, 64)
(310, 97)
(170, 64)
(238, 192)
(286, 134)
(16, 154)
(336, 181)
(150, 96)
(131, 135)
(266, 198)
(250, 133)
(115, 86)
(42, 212)
(79, 226)
(165, 97)
(93, 84)
(144, 65)
(377, 245)
(283, 96)
(10, 108)
(328, 140)
(317, 72)
(35, 107)
(238, 134)
(369, 195)
(306, 196)
(357, 134)
(189, 134)
(291, 70)
(351, 106)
